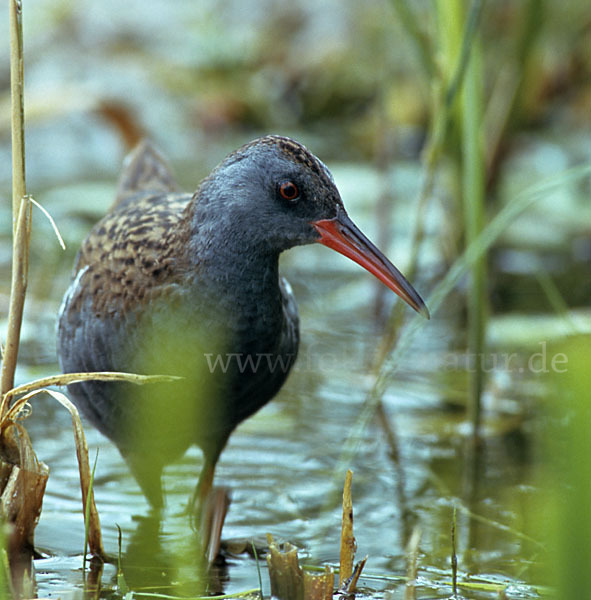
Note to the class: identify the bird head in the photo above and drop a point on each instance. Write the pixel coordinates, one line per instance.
(273, 194)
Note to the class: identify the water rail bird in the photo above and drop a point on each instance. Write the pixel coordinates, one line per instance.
(188, 284)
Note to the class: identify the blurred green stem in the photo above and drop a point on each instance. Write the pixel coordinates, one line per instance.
(421, 42)
(462, 70)
(566, 478)
(473, 196)
(506, 102)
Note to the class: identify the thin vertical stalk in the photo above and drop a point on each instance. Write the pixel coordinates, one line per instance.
(464, 51)
(17, 106)
(21, 220)
(454, 556)
(505, 106)
(473, 194)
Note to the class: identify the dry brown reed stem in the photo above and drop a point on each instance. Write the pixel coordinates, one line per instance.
(319, 587)
(17, 105)
(287, 579)
(69, 378)
(290, 582)
(22, 486)
(18, 290)
(348, 544)
(95, 538)
(349, 586)
(21, 208)
(22, 477)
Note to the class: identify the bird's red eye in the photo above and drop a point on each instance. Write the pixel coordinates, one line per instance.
(289, 191)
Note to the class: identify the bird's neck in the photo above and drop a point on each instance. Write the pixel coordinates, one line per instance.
(238, 268)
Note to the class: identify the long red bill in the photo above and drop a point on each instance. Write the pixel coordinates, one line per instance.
(342, 235)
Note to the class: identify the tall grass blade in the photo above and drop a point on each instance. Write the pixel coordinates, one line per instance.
(473, 200)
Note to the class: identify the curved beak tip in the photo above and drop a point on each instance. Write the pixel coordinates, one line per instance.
(423, 310)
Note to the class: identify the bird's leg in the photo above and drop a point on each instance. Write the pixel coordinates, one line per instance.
(213, 516)
(208, 507)
(201, 493)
